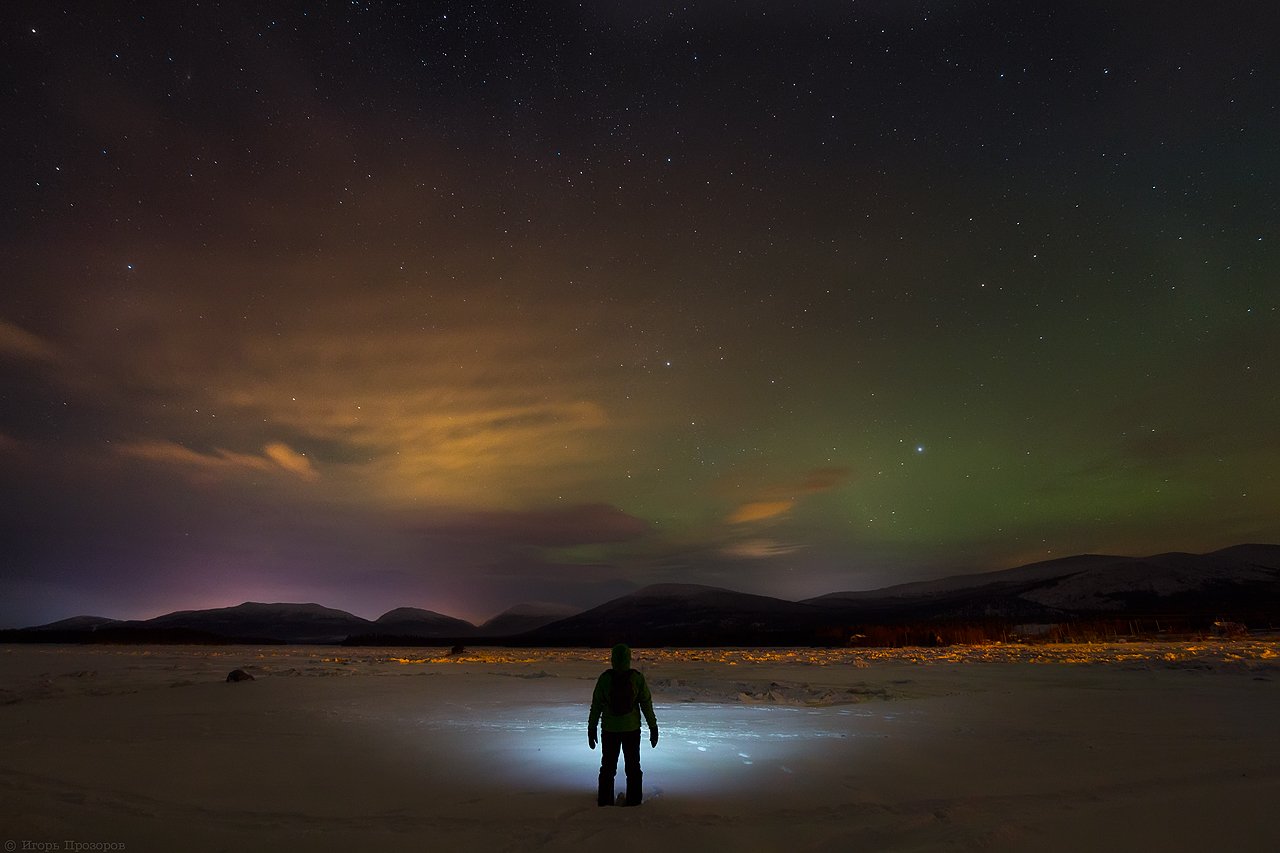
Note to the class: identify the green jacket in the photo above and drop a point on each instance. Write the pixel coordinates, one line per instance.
(621, 659)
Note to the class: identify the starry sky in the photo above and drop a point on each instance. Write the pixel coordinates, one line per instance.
(458, 306)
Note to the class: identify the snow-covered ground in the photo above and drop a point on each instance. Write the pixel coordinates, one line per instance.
(1130, 747)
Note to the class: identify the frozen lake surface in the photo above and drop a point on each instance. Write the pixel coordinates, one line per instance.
(1099, 747)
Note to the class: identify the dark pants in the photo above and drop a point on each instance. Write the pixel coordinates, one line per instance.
(629, 744)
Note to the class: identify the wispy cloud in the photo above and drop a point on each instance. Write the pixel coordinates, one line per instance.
(778, 499)
(276, 458)
(464, 400)
(18, 342)
(290, 460)
(760, 511)
(759, 549)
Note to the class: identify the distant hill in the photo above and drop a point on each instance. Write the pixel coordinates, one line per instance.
(119, 633)
(292, 623)
(415, 622)
(525, 617)
(1240, 584)
(77, 623)
(682, 614)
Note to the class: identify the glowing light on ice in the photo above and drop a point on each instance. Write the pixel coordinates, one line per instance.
(704, 746)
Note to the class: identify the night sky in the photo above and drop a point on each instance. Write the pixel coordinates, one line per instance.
(458, 306)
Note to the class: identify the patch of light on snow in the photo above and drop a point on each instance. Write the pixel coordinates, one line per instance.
(702, 746)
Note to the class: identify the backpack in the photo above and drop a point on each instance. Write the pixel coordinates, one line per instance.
(622, 693)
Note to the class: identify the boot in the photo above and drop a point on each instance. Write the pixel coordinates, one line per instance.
(605, 795)
(635, 789)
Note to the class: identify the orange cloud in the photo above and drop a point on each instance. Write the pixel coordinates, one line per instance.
(21, 343)
(277, 458)
(462, 397)
(759, 511)
(810, 483)
(821, 480)
(470, 414)
(777, 500)
(290, 460)
(759, 549)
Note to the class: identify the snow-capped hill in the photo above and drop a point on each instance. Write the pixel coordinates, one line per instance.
(541, 608)
(676, 590)
(526, 617)
(1240, 583)
(409, 614)
(1245, 577)
(416, 622)
(1033, 572)
(673, 614)
(1250, 552)
(77, 623)
(254, 609)
(1120, 585)
(297, 623)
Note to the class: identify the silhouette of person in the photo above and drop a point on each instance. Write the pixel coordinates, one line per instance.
(620, 696)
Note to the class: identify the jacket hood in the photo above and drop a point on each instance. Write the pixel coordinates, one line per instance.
(621, 656)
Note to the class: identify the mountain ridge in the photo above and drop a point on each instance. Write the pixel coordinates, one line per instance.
(1240, 582)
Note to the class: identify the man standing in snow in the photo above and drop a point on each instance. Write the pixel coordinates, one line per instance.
(621, 694)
